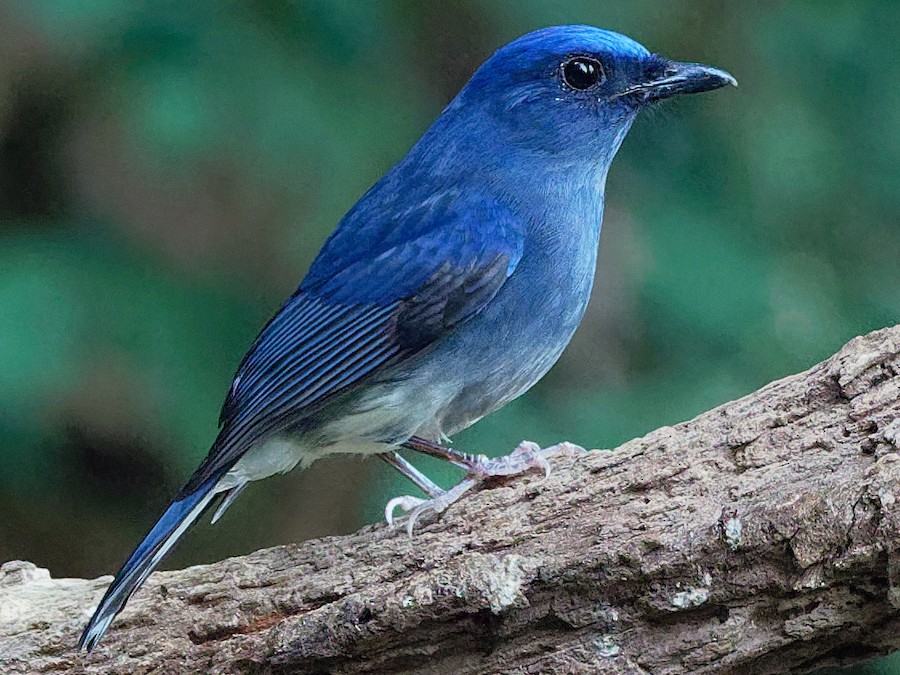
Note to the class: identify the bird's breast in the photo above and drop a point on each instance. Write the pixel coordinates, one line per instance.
(502, 352)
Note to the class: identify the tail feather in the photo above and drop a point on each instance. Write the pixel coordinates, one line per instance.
(228, 497)
(164, 535)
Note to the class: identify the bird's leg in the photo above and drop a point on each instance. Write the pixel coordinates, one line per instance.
(423, 482)
(479, 468)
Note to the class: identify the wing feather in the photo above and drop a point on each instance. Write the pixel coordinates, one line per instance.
(345, 323)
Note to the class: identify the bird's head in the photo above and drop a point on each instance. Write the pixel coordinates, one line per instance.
(573, 91)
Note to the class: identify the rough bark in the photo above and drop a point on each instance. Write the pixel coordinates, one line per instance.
(760, 537)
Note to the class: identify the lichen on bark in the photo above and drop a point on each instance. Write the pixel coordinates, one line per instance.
(759, 537)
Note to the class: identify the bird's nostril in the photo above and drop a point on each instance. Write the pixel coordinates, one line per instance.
(670, 71)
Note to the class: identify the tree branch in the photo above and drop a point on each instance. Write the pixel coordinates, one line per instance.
(760, 537)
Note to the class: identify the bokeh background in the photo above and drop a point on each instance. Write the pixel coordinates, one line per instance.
(168, 171)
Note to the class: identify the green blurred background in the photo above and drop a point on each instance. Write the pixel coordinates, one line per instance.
(168, 171)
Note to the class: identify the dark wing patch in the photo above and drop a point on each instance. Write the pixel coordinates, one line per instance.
(449, 297)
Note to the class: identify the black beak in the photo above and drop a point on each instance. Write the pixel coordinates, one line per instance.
(680, 78)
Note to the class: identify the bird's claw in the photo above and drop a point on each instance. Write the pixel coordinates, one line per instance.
(525, 457)
(406, 503)
(413, 506)
(417, 507)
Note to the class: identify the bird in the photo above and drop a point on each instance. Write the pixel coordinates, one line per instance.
(448, 290)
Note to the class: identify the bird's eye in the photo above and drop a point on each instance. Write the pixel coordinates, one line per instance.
(582, 72)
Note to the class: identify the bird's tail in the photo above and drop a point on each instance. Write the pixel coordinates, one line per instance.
(164, 535)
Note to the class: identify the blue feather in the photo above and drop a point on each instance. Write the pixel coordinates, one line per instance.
(164, 535)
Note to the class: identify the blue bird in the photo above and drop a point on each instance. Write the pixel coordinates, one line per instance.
(449, 289)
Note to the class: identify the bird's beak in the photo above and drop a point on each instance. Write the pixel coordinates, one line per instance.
(681, 78)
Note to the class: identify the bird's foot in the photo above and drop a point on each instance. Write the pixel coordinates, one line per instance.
(524, 458)
(480, 468)
(417, 507)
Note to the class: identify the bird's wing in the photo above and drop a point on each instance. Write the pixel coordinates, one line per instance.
(367, 302)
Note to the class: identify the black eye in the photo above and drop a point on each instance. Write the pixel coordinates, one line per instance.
(582, 72)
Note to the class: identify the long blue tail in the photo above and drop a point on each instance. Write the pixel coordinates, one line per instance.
(167, 531)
